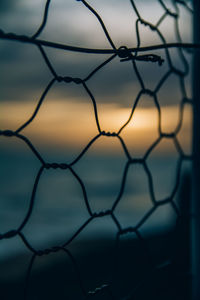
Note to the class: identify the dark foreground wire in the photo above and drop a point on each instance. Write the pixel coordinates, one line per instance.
(132, 56)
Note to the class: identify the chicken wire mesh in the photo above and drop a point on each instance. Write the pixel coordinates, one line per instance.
(109, 286)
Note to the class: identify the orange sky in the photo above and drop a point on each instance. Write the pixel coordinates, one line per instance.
(72, 124)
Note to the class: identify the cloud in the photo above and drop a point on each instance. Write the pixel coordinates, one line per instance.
(26, 74)
(6, 5)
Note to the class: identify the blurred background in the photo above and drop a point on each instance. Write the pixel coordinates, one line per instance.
(65, 124)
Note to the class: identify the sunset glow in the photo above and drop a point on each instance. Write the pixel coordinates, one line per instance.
(73, 124)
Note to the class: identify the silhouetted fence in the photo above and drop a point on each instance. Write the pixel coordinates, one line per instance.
(132, 56)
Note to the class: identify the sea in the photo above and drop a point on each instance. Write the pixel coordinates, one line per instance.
(60, 209)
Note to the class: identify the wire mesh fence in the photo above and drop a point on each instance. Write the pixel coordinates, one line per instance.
(146, 265)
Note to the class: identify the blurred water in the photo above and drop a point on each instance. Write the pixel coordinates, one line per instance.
(59, 208)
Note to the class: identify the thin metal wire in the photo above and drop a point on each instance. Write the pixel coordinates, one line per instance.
(130, 55)
(38, 42)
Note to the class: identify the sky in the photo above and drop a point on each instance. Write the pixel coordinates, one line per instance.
(24, 74)
(65, 121)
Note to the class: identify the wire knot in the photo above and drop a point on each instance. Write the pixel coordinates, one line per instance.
(97, 290)
(148, 92)
(7, 132)
(102, 213)
(172, 14)
(168, 135)
(124, 52)
(145, 23)
(48, 251)
(127, 230)
(8, 234)
(108, 133)
(151, 58)
(146, 57)
(54, 166)
(69, 79)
